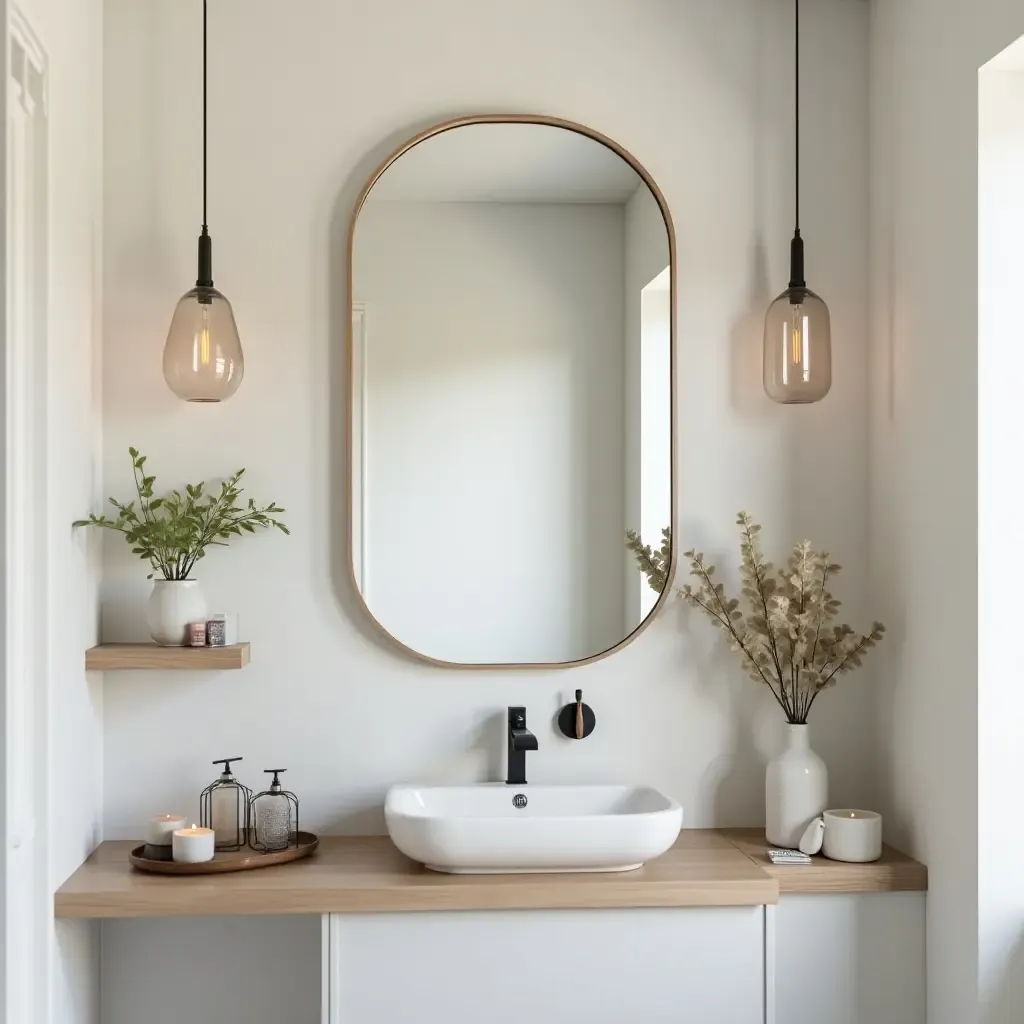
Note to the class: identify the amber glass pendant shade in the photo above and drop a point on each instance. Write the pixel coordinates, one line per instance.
(797, 348)
(203, 355)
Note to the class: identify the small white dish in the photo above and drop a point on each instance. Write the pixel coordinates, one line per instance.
(813, 837)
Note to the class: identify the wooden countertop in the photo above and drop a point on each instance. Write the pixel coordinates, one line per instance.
(365, 874)
(893, 872)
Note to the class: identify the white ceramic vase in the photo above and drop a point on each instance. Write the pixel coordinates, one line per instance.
(172, 606)
(795, 791)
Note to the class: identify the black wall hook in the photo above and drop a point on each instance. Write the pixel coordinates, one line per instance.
(577, 720)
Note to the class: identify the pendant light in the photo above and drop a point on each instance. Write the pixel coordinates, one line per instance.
(203, 355)
(797, 335)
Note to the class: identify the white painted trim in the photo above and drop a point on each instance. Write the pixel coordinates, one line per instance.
(27, 909)
(6, 954)
(325, 969)
(333, 1002)
(769, 964)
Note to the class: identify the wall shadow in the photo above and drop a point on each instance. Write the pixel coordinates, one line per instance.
(1007, 1003)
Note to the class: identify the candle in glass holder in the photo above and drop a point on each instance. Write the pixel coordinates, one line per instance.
(853, 836)
(193, 845)
(161, 826)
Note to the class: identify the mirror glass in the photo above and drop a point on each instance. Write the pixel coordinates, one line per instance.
(511, 408)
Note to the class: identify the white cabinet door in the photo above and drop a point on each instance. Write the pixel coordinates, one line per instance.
(848, 959)
(211, 970)
(548, 967)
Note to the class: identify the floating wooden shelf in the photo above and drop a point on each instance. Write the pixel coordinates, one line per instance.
(108, 657)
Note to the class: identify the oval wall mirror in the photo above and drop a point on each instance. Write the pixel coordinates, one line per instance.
(511, 359)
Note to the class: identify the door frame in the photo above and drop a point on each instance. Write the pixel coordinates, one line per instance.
(25, 939)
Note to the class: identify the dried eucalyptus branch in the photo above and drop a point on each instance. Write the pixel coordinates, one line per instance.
(653, 564)
(786, 637)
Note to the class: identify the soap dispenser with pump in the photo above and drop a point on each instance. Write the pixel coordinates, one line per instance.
(224, 807)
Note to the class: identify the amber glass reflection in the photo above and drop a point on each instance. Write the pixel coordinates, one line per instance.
(203, 355)
(797, 348)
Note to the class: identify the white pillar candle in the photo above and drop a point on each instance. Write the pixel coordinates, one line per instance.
(160, 828)
(854, 836)
(192, 845)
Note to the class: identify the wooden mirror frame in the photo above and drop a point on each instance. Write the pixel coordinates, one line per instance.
(422, 136)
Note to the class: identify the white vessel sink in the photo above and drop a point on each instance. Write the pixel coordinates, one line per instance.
(496, 828)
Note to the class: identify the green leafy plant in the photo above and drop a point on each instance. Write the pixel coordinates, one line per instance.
(786, 637)
(173, 532)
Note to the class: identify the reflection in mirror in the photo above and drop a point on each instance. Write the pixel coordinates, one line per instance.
(511, 394)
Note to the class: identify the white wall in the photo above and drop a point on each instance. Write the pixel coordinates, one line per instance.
(923, 456)
(1000, 698)
(302, 108)
(68, 703)
(493, 427)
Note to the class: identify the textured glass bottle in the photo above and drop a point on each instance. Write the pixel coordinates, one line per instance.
(274, 817)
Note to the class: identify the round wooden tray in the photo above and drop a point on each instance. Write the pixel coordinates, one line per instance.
(237, 860)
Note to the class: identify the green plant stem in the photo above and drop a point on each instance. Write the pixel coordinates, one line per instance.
(172, 532)
(205, 538)
(146, 515)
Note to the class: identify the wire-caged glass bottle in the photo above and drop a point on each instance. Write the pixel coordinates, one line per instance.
(224, 807)
(274, 817)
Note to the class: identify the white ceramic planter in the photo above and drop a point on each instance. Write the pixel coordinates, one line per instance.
(172, 606)
(796, 789)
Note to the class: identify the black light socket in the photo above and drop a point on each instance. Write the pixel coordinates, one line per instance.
(204, 279)
(796, 261)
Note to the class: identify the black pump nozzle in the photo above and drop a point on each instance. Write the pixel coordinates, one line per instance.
(226, 761)
(275, 781)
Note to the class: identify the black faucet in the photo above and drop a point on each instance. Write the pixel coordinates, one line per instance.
(520, 740)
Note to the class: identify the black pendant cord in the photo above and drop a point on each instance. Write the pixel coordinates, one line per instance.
(796, 114)
(204, 278)
(796, 247)
(204, 115)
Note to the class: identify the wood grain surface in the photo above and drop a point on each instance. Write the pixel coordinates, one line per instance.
(365, 874)
(894, 872)
(368, 874)
(111, 657)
